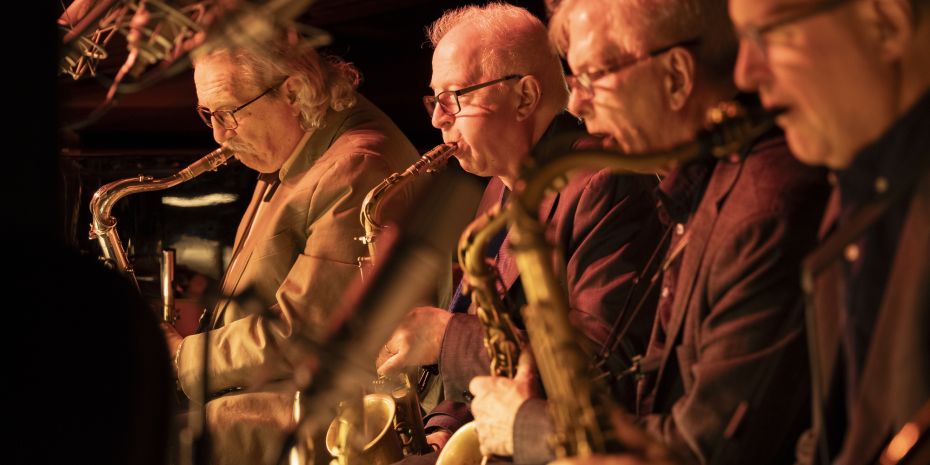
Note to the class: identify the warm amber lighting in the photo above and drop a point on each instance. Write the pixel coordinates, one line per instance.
(900, 444)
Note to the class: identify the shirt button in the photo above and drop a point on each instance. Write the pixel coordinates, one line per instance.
(665, 292)
(851, 252)
(881, 184)
(679, 229)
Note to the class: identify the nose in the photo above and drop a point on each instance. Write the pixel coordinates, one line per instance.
(221, 134)
(751, 69)
(441, 118)
(579, 104)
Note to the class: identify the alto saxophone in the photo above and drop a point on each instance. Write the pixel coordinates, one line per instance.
(103, 226)
(399, 394)
(370, 216)
(501, 338)
(563, 366)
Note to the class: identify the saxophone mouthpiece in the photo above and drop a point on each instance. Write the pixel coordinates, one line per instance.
(730, 125)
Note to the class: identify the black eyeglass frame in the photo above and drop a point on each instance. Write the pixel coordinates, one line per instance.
(756, 34)
(585, 81)
(430, 101)
(207, 116)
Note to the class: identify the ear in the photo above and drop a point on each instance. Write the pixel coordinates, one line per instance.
(529, 93)
(678, 81)
(892, 22)
(289, 92)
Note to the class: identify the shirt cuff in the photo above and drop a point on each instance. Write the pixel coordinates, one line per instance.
(532, 429)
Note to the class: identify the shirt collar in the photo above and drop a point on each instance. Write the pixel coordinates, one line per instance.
(892, 161)
(681, 190)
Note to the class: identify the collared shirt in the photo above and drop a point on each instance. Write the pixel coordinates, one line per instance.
(888, 165)
(678, 195)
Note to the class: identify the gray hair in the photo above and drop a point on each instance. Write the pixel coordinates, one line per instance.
(661, 23)
(323, 82)
(516, 41)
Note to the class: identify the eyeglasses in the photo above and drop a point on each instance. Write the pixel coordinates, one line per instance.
(584, 83)
(449, 100)
(227, 118)
(761, 36)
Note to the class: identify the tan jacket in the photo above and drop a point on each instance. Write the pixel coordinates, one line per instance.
(296, 259)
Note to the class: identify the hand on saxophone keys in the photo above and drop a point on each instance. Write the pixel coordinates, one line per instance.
(415, 342)
(496, 402)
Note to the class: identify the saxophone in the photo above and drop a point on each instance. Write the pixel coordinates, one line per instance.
(103, 225)
(578, 431)
(370, 216)
(395, 399)
(501, 338)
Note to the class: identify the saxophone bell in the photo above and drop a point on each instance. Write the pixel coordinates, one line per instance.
(390, 423)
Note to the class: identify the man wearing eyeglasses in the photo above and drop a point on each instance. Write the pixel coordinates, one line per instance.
(853, 79)
(724, 378)
(498, 90)
(319, 148)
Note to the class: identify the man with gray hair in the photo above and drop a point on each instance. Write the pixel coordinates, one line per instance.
(498, 90)
(319, 147)
(724, 375)
(853, 80)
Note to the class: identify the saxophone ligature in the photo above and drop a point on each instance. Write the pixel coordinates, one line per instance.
(580, 429)
(103, 225)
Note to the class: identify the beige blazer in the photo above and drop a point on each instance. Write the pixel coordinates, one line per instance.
(294, 256)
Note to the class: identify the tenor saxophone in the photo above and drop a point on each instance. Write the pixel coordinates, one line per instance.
(395, 399)
(103, 225)
(578, 430)
(501, 338)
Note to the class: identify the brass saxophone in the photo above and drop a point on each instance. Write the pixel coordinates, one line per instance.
(370, 216)
(563, 366)
(501, 338)
(103, 225)
(395, 399)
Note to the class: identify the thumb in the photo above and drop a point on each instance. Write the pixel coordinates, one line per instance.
(480, 384)
(526, 378)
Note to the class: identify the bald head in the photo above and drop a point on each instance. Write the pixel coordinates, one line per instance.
(503, 39)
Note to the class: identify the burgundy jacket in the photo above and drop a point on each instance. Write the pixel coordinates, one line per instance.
(731, 384)
(605, 228)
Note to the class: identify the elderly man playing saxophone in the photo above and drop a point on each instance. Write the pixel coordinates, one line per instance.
(722, 381)
(319, 147)
(498, 91)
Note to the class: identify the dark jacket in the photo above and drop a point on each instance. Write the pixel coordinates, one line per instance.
(853, 425)
(731, 384)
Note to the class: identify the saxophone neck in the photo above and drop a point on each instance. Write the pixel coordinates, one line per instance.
(371, 216)
(103, 224)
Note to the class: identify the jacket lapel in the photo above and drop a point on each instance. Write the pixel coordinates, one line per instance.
(699, 230)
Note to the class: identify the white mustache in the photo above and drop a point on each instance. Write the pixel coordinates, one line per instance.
(239, 147)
